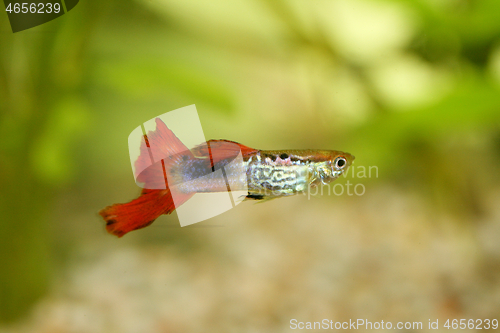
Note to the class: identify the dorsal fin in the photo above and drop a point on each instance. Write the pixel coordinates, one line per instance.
(221, 150)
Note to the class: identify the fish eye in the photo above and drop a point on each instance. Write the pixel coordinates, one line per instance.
(340, 162)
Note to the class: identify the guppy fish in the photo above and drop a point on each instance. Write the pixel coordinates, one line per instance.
(265, 174)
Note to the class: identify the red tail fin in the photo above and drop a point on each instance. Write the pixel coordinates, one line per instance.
(141, 212)
(157, 198)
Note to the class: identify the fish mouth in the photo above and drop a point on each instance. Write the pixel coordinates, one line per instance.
(350, 158)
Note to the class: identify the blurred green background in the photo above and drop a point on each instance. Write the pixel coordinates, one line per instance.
(411, 87)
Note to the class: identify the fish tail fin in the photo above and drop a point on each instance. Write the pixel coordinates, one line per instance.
(141, 212)
(156, 198)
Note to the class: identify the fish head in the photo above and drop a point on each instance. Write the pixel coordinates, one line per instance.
(337, 163)
(341, 161)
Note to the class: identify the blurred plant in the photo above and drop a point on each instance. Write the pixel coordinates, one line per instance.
(42, 69)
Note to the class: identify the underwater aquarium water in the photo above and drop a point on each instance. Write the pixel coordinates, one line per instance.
(408, 235)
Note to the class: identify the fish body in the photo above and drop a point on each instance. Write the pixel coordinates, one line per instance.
(264, 174)
(267, 172)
